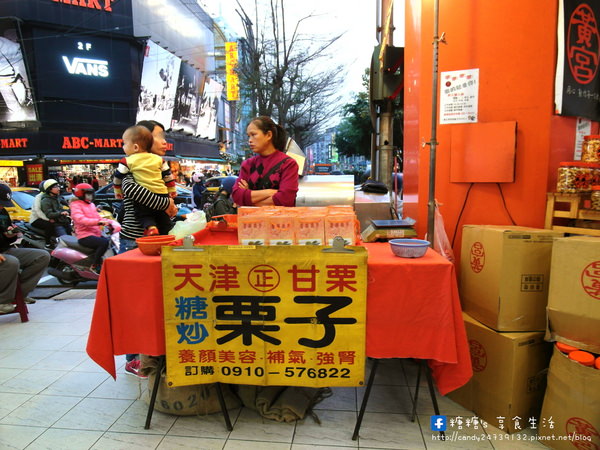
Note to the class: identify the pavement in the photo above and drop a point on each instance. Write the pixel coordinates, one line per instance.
(53, 396)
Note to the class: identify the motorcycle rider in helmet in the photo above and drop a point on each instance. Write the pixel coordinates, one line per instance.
(88, 223)
(52, 208)
(39, 219)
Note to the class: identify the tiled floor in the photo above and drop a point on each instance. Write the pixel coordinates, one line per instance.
(52, 396)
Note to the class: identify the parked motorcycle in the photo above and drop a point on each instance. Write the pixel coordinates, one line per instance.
(33, 237)
(71, 262)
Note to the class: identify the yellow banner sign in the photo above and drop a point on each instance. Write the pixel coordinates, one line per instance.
(233, 87)
(270, 316)
(231, 61)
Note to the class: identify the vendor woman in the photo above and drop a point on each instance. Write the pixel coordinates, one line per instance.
(270, 177)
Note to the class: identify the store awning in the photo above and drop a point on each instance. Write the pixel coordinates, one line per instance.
(82, 156)
(95, 159)
(18, 157)
(10, 163)
(196, 149)
(85, 159)
(206, 159)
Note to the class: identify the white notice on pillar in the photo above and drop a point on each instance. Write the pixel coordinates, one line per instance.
(459, 96)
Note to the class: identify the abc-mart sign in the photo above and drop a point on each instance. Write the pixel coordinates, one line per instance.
(102, 5)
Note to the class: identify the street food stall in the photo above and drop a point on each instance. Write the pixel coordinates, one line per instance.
(421, 319)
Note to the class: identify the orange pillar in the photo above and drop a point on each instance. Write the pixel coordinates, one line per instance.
(513, 44)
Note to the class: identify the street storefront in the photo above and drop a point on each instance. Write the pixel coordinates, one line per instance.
(9, 171)
(31, 157)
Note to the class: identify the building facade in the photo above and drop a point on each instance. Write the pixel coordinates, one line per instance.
(75, 74)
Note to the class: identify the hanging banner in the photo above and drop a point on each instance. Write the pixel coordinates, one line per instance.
(231, 61)
(577, 82)
(459, 96)
(255, 315)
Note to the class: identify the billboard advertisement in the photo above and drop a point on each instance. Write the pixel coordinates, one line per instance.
(209, 109)
(16, 100)
(160, 75)
(187, 97)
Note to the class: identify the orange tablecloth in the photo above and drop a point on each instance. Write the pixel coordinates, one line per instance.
(413, 310)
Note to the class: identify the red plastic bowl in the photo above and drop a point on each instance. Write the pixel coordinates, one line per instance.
(151, 245)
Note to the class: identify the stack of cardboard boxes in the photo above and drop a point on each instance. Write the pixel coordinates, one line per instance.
(572, 397)
(509, 278)
(504, 276)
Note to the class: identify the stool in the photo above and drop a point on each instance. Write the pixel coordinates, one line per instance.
(20, 302)
(21, 306)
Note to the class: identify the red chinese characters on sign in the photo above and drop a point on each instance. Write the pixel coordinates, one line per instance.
(189, 355)
(477, 257)
(590, 279)
(263, 278)
(583, 44)
(478, 356)
(224, 277)
(341, 277)
(576, 426)
(188, 276)
(304, 280)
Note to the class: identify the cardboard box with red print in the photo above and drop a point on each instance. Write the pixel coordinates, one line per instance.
(570, 416)
(574, 297)
(509, 376)
(504, 275)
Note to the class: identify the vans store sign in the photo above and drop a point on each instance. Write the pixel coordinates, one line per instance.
(83, 67)
(86, 66)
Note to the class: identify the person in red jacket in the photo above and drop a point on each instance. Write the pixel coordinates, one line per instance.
(270, 177)
(88, 223)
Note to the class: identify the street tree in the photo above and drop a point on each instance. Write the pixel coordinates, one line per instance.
(286, 74)
(353, 135)
(354, 131)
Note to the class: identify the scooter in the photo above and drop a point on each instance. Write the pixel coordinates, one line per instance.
(71, 262)
(33, 237)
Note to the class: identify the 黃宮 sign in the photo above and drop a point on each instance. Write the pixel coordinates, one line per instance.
(291, 316)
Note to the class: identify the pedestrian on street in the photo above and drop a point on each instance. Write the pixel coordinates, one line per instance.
(24, 264)
(198, 190)
(131, 227)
